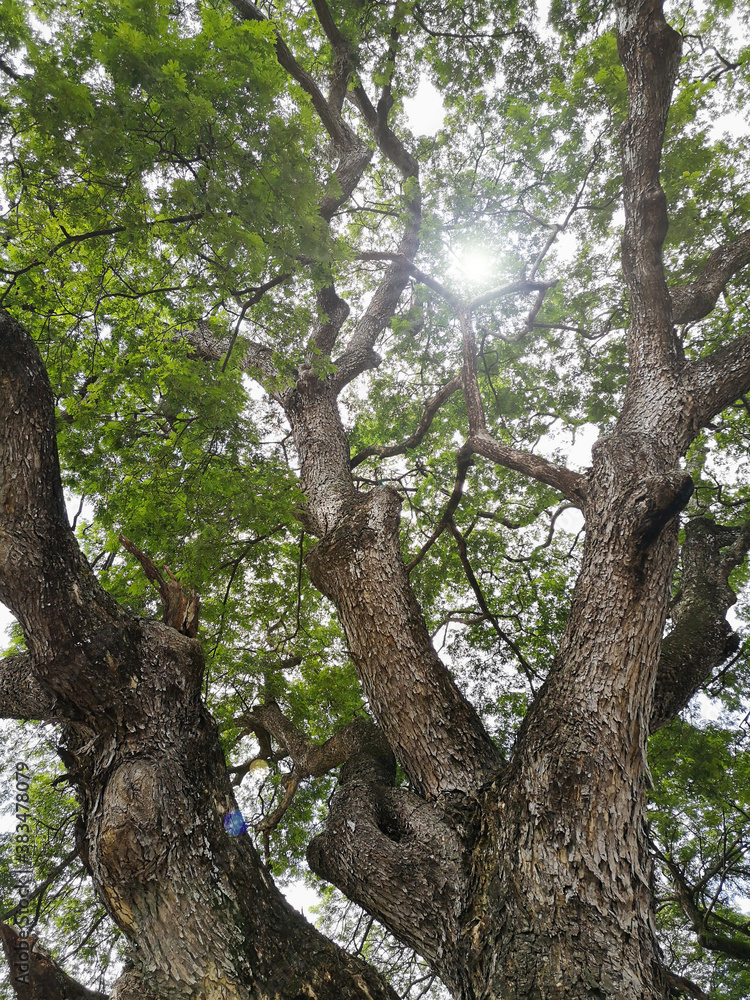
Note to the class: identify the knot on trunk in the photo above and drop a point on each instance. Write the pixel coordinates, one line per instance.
(656, 504)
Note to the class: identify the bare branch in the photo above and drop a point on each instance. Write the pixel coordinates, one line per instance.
(180, 607)
(571, 484)
(512, 288)
(421, 276)
(40, 889)
(463, 464)
(482, 602)
(700, 919)
(344, 56)
(43, 979)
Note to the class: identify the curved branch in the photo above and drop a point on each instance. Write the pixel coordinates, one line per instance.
(701, 639)
(431, 408)
(314, 760)
(359, 354)
(436, 734)
(572, 485)
(715, 382)
(695, 300)
(463, 464)
(65, 614)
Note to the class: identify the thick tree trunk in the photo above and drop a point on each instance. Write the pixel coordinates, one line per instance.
(562, 879)
(200, 910)
(521, 880)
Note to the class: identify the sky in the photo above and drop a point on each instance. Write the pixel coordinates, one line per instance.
(425, 114)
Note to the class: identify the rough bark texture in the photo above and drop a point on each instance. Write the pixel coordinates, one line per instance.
(142, 750)
(517, 880)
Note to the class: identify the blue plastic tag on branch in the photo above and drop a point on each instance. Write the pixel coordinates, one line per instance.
(234, 823)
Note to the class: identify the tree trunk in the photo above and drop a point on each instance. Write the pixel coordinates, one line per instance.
(526, 879)
(199, 908)
(564, 902)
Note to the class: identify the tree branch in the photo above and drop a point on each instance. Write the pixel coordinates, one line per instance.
(481, 601)
(180, 607)
(94, 234)
(695, 300)
(463, 464)
(436, 734)
(650, 52)
(8, 70)
(701, 639)
(334, 125)
(699, 919)
(335, 310)
(34, 973)
(42, 887)
(65, 614)
(314, 760)
(715, 382)
(344, 56)
(359, 354)
(571, 484)
(209, 347)
(679, 986)
(431, 408)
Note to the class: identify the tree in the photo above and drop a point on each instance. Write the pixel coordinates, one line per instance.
(198, 199)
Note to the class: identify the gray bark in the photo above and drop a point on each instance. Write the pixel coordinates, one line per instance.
(526, 878)
(141, 748)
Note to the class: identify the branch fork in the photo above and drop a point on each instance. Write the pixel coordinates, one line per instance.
(180, 606)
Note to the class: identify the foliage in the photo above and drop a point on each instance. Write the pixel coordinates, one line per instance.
(161, 174)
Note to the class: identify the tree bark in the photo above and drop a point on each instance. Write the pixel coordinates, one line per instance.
(526, 879)
(199, 908)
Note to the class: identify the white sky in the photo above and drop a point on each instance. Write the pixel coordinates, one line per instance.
(425, 115)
